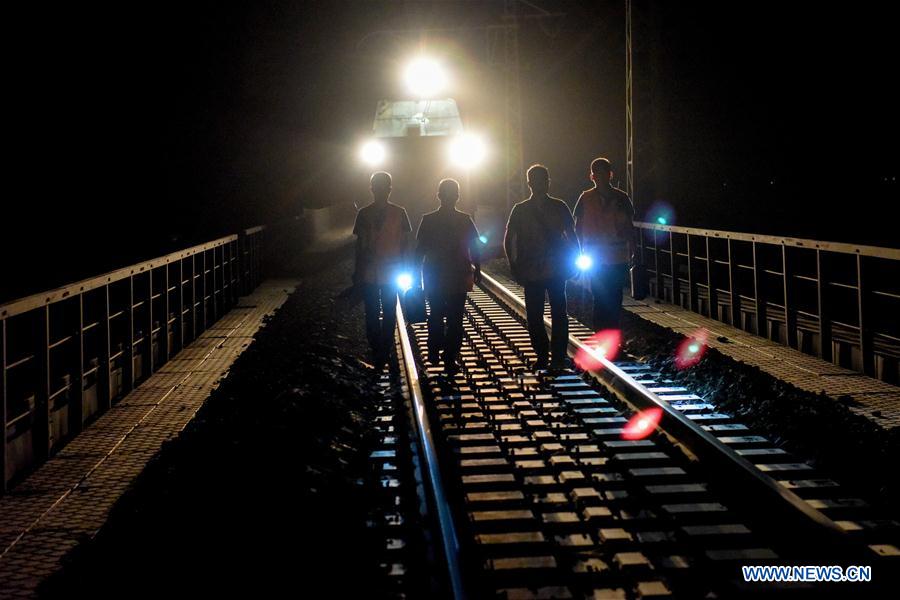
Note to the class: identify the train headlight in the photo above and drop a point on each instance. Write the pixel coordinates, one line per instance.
(425, 77)
(373, 153)
(467, 150)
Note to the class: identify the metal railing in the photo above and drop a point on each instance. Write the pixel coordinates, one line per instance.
(832, 300)
(70, 353)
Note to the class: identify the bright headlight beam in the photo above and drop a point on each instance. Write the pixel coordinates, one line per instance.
(467, 150)
(373, 153)
(425, 77)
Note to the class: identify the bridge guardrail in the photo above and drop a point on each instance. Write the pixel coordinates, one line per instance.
(68, 354)
(833, 300)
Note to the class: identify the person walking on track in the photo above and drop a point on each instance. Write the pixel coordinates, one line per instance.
(540, 243)
(603, 223)
(382, 232)
(448, 244)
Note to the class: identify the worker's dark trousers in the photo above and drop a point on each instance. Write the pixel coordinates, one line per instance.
(534, 309)
(606, 286)
(446, 338)
(380, 329)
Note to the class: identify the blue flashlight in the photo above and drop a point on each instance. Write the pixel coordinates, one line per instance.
(404, 281)
(584, 262)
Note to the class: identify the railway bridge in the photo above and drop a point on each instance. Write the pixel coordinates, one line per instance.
(746, 415)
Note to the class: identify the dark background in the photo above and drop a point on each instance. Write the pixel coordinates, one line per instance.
(143, 128)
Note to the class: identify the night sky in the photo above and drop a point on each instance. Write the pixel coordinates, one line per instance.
(142, 128)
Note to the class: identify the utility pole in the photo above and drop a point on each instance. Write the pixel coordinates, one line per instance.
(629, 114)
(515, 168)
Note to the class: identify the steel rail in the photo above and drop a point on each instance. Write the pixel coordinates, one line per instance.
(674, 423)
(447, 527)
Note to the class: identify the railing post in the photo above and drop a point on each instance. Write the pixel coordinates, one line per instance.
(245, 264)
(759, 296)
(151, 368)
(790, 316)
(732, 288)
(824, 318)
(713, 307)
(179, 305)
(241, 261)
(3, 405)
(865, 332)
(672, 274)
(660, 289)
(641, 243)
(692, 292)
(214, 304)
(254, 257)
(217, 293)
(226, 269)
(236, 270)
(76, 399)
(177, 310)
(41, 423)
(252, 278)
(225, 283)
(164, 349)
(260, 258)
(104, 373)
(128, 359)
(193, 296)
(204, 307)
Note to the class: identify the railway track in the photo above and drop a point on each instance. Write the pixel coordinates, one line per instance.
(530, 490)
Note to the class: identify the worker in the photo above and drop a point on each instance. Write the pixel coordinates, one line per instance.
(449, 246)
(382, 232)
(603, 223)
(541, 247)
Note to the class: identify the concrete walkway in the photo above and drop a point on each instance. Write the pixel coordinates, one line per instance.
(68, 499)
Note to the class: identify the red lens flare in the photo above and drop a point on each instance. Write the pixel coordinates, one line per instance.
(602, 345)
(691, 350)
(642, 424)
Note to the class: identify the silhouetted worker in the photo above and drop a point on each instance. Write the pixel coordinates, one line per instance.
(539, 231)
(382, 232)
(449, 245)
(603, 222)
